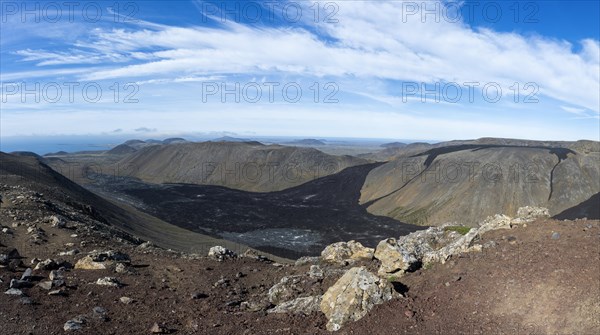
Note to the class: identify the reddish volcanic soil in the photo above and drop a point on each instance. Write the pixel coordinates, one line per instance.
(528, 283)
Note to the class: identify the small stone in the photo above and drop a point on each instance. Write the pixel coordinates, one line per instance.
(555, 236)
(409, 313)
(69, 253)
(58, 292)
(126, 300)
(233, 303)
(27, 274)
(48, 264)
(58, 221)
(58, 282)
(74, 324)
(145, 245)
(14, 265)
(56, 274)
(121, 268)
(100, 313)
(14, 291)
(447, 284)
(221, 282)
(220, 253)
(315, 272)
(15, 283)
(46, 285)
(158, 329)
(108, 281)
(99, 310)
(199, 296)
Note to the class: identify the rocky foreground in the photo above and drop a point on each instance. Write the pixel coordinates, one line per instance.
(62, 271)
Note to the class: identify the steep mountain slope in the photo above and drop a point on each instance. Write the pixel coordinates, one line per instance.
(248, 166)
(466, 181)
(116, 219)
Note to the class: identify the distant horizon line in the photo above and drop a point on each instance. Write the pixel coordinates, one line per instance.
(216, 135)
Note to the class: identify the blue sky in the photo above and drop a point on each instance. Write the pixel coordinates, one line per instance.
(367, 69)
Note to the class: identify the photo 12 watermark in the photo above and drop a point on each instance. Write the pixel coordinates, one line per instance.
(68, 11)
(269, 92)
(470, 92)
(457, 171)
(470, 11)
(287, 12)
(70, 92)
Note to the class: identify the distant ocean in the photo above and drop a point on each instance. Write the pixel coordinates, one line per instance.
(48, 144)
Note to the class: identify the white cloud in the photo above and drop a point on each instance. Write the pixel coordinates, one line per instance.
(371, 48)
(573, 110)
(370, 41)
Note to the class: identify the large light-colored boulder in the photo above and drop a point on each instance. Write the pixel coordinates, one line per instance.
(353, 296)
(393, 257)
(304, 305)
(342, 251)
(87, 263)
(100, 260)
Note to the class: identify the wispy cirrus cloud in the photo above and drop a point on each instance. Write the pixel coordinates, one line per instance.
(580, 113)
(44, 58)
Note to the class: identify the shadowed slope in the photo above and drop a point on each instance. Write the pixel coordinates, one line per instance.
(588, 209)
